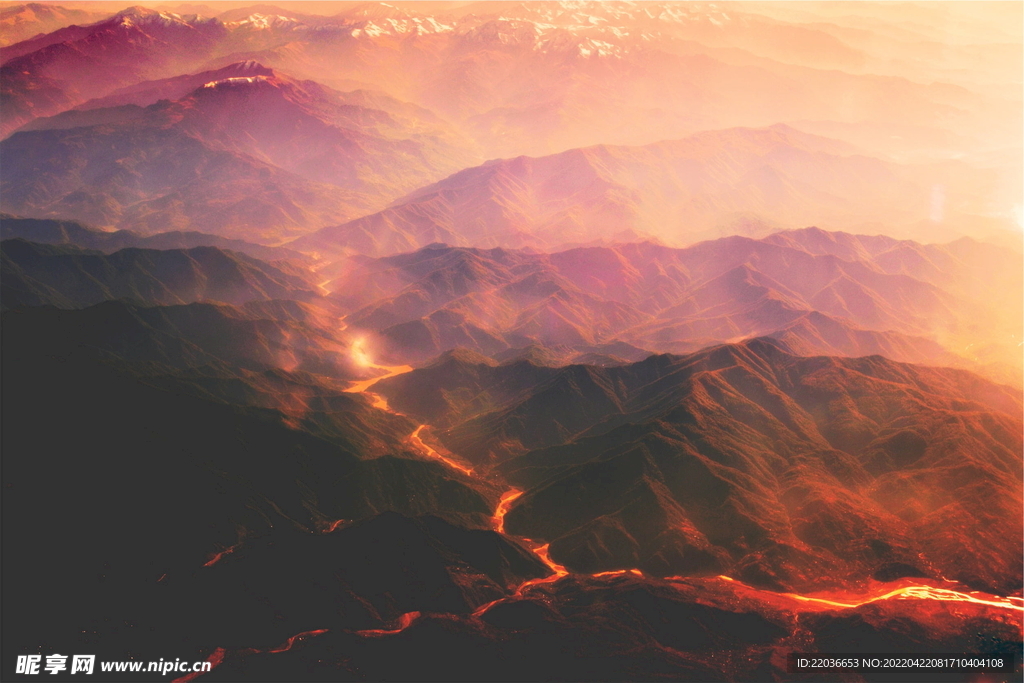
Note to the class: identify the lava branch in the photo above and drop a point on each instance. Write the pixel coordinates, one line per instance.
(541, 551)
(902, 593)
(216, 557)
(215, 659)
(218, 655)
(403, 622)
(504, 504)
(919, 593)
(378, 401)
(418, 443)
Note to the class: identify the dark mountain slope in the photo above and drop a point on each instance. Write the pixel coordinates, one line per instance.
(48, 231)
(251, 337)
(70, 277)
(174, 482)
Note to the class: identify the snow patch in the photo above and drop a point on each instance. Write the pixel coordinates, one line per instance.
(237, 80)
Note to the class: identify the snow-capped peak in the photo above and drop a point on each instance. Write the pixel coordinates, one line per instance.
(266, 21)
(235, 81)
(145, 17)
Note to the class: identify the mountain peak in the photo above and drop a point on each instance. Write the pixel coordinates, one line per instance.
(137, 15)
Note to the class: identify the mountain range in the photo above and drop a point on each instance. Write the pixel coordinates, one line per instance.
(242, 152)
(20, 22)
(49, 231)
(820, 292)
(710, 184)
(66, 276)
(437, 89)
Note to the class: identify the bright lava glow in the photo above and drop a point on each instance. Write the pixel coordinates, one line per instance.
(217, 658)
(216, 557)
(334, 525)
(416, 441)
(504, 504)
(902, 593)
(404, 622)
(920, 593)
(380, 402)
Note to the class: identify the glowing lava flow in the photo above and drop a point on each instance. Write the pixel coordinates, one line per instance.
(288, 644)
(541, 551)
(361, 358)
(215, 558)
(506, 501)
(378, 401)
(618, 572)
(416, 441)
(404, 622)
(215, 659)
(919, 593)
(362, 386)
(220, 653)
(334, 525)
(912, 592)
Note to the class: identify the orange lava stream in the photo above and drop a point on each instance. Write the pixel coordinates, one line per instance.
(618, 572)
(919, 593)
(541, 551)
(378, 401)
(217, 658)
(901, 593)
(506, 501)
(416, 441)
(334, 525)
(392, 370)
(288, 644)
(215, 558)
(404, 622)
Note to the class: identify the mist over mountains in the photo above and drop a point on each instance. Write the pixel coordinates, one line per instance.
(706, 185)
(385, 101)
(511, 340)
(840, 295)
